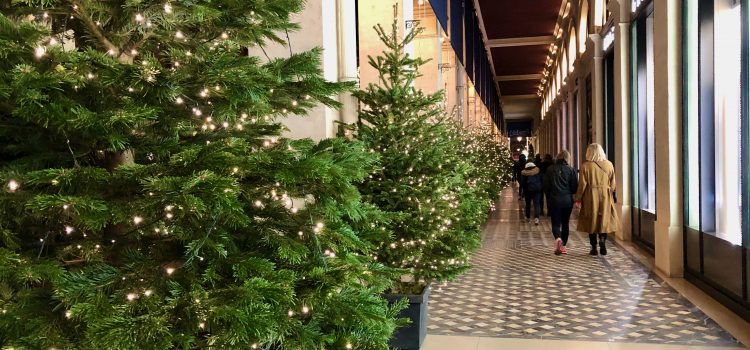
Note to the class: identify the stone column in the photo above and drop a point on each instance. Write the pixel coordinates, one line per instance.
(622, 119)
(668, 126)
(347, 52)
(597, 80)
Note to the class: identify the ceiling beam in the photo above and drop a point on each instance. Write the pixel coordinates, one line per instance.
(519, 97)
(519, 77)
(523, 41)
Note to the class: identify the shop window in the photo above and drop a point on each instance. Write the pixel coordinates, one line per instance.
(713, 127)
(644, 162)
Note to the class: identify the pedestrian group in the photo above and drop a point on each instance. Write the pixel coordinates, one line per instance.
(561, 188)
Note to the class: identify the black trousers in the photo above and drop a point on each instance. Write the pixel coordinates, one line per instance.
(561, 222)
(536, 199)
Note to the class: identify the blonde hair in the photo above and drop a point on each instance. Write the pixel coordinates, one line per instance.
(564, 155)
(595, 153)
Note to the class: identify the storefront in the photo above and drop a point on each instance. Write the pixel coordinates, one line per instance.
(643, 160)
(715, 149)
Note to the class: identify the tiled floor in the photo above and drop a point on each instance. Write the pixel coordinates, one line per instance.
(519, 289)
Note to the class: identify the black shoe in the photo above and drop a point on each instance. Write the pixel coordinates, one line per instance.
(602, 249)
(593, 251)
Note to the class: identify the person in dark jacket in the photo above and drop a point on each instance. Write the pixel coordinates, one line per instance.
(531, 180)
(560, 185)
(548, 162)
(518, 168)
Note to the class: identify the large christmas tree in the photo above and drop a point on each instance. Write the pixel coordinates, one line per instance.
(422, 183)
(147, 199)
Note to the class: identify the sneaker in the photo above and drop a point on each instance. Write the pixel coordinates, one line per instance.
(536, 221)
(558, 246)
(564, 250)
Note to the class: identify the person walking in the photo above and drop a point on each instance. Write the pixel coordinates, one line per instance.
(560, 185)
(531, 179)
(595, 195)
(546, 163)
(518, 168)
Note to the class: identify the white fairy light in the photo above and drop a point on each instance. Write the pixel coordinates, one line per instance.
(290, 313)
(69, 230)
(348, 345)
(137, 220)
(305, 309)
(167, 8)
(179, 35)
(201, 325)
(179, 101)
(138, 17)
(170, 270)
(224, 35)
(39, 52)
(68, 314)
(13, 186)
(131, 296)
(147, 292)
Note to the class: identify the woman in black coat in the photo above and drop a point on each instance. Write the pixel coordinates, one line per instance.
(560, 185)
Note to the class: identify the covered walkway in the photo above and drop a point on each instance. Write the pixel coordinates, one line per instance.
(521, 296)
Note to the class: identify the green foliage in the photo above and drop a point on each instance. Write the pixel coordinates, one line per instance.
(425, 182)
(148, 201)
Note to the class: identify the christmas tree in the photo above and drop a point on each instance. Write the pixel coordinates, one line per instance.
(492, 160)
(148, 201)
(422, 181)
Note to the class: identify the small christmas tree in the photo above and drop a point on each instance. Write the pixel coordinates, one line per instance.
(422, 183)
(147, 199)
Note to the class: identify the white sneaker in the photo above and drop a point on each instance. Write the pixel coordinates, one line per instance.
(536, 221)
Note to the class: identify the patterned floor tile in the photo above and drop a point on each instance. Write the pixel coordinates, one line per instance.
(518, 288)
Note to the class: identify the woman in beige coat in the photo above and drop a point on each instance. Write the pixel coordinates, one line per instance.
(596, 188)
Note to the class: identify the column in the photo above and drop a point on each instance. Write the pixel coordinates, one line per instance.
(597, 80)
(347, 50)
(622, 119)
(667, 104)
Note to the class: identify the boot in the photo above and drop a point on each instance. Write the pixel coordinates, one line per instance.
(602, 242)
(592, 240)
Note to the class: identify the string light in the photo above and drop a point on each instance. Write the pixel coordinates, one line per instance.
(137, 220)
(167, 8)
(13, 186)
(39, 52)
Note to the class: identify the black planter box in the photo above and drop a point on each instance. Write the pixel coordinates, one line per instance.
(411, 336)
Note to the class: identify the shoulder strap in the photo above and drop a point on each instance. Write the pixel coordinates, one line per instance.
(600, 167)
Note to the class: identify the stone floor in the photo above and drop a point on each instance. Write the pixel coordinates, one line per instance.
(519, 289)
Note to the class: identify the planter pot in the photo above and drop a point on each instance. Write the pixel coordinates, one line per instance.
(411, 336)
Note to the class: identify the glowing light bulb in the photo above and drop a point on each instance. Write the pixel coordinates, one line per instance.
(138, 17)
(170, 270)
(167, 8)
(131, 296)
(13, 186)
(68, 314)
(179, 35)
(137, 220)
(69, 230)
(305, 309)
(39, 52)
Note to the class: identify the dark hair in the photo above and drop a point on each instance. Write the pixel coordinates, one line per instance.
(548, 157)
